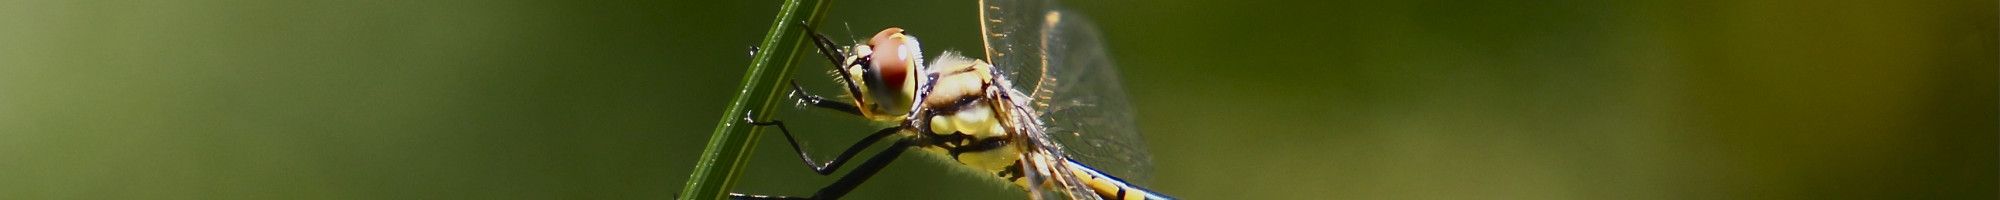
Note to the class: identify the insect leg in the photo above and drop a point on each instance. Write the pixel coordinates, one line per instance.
(828, 167)
(833, 53)
(826, 47)
(822, 102)
(852, 179)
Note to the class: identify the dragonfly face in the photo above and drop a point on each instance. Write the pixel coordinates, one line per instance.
(881, 73)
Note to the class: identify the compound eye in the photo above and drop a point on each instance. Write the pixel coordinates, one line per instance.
(891, 57)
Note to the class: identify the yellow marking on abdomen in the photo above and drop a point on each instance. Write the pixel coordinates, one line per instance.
(1109, 187)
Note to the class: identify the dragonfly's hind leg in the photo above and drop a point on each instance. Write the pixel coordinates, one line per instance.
(852, 179)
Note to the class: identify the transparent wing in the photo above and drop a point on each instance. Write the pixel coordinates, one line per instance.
(1012, 31)
(1041, 156)
(1083, 103)
(1075, 91)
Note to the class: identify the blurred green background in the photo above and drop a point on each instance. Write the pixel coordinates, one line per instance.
(1429, 99)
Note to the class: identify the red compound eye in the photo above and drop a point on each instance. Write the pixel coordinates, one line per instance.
(889, 57)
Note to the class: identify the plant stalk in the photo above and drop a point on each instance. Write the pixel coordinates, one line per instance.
(729, 148)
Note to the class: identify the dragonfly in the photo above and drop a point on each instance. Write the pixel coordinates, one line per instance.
(1039, 112)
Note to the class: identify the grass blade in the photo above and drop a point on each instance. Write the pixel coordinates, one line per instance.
(729, 147)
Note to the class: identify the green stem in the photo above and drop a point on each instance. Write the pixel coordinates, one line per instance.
(729, 147)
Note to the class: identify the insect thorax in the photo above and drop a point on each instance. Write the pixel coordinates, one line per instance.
(964, 125)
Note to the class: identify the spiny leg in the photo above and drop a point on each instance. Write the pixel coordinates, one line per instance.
(831, 165)
(817, 101)
(826, 47)
(832, 51)
(852, 179)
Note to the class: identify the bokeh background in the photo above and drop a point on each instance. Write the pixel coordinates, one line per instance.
(1429, 99)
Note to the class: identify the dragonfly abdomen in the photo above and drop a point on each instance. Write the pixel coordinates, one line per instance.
(1111, 188)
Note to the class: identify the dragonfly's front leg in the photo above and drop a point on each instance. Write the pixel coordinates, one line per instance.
(822, 102)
